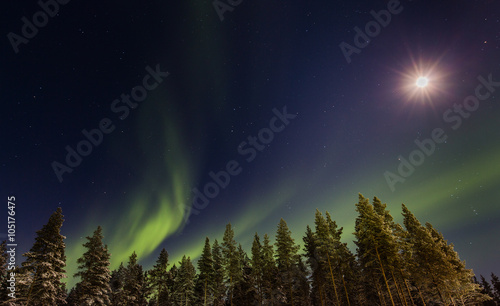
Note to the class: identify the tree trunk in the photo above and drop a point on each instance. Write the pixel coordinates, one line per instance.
(438, 290)
(383, 274)
(31, 287)
(420, 294)
(402, 297)
(205, 292)
(407, 288)
(333, 280)
(453, 301)
(379, 293)
(346, 294)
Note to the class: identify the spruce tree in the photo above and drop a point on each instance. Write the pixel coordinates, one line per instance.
(172, 283)
(73, 296)
(487, 290)
(94, 272)
(286, 259)
(496, 287)
(157, 280)
(116, 283)
(257, 268)
(134, 284)
(244, 290)
(184, 282)
(24, 279)
(204, 282)
(218, 275)
(301, 284)
(273, 289)
(486, 286)
(45, 262)
(318, 275)
(231, 260)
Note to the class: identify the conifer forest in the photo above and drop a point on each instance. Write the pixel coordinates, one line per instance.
(392, 264)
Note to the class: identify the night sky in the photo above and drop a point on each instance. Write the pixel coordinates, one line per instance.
(293, 100)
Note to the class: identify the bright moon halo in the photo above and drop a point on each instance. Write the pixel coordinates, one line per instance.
(422, 82)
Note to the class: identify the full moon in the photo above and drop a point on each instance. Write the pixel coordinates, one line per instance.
(422, 82)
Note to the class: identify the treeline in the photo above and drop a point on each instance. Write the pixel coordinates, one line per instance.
(393, 265)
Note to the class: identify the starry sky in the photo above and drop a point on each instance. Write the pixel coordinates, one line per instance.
(268, 110)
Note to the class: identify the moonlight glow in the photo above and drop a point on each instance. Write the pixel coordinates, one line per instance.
(422, 82)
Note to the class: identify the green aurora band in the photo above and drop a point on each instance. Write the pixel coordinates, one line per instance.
(157, 206)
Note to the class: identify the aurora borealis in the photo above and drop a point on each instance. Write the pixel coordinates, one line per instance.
(226, 81)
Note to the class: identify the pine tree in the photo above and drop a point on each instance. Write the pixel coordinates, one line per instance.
(204, 283)
(94, 272)
(157, 280)
(376, 249)
(461, 286)
(133, 286)
(327, 258)
(431, 271)
(350, 277)
(218, 275)
(318, 275)
(405, 266)
(45, 262)
(286, 259)
(437, 271)
(346, 265)
(393, 258)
